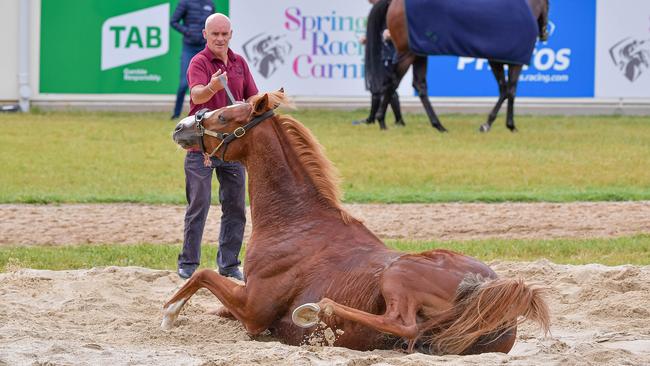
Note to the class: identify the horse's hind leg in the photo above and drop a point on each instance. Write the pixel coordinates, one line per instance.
(390, 87)
(499, 75)
(420, 84)
(397, 110)
(399, 318)
(513, 78)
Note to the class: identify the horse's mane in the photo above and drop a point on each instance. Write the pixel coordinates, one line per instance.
(310, 152)
(320, 170)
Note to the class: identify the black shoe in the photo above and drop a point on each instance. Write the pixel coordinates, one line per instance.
(400, 123)
(234, 273)
(174, 117)
(185, 273)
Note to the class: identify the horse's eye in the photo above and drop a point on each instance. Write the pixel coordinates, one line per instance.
(222, 118)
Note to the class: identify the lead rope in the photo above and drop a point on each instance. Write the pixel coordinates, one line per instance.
(206, 160)
(206, 157)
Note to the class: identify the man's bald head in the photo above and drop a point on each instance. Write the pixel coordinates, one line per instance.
(218, 19)
(217, 33)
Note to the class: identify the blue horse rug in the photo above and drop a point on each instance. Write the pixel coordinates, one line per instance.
(501, 30)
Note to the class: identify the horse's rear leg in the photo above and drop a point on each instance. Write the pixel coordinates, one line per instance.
(499, 75)
(397, 110)
(387, 96)
(420, 84)
(513, 78)
(390, 88)
(399, 318)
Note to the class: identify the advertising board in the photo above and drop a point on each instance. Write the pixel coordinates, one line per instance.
(623, 49)
(310, 48)
(563, 66)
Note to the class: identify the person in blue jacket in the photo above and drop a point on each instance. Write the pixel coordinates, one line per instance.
(188, 19)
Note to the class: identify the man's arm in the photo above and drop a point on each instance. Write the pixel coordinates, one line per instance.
(179, 14)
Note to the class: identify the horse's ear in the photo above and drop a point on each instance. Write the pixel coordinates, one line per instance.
(261, 105)
(279, 95)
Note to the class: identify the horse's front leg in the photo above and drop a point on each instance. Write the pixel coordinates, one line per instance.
(235, 298)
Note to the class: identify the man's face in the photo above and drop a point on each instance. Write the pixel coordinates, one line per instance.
(217, 34)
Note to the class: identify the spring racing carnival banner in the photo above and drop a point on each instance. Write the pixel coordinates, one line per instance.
(623, 49)
(308, 47)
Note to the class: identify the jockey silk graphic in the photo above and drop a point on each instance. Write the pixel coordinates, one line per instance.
(266, 53)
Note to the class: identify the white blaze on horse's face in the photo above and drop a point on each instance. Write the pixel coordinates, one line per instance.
(186, 133)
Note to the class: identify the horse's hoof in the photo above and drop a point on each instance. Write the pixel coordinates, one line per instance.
(306, 315)
(513, 129)
(442, 129)
(484, 128)
(170, 314)
(400, 123)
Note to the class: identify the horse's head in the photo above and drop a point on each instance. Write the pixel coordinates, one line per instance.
(213, 131)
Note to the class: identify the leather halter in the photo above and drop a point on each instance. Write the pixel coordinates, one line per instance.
(225, 137)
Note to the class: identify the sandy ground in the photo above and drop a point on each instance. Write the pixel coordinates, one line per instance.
(130, 223)
(111, 316)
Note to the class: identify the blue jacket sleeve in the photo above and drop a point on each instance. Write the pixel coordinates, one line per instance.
(179, 14)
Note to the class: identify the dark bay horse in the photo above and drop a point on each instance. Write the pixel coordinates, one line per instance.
(397, 25)
(305, 248)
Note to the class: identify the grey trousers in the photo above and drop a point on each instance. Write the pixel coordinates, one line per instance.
(232, 196)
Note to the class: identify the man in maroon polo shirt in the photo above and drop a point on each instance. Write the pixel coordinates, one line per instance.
(206, 91)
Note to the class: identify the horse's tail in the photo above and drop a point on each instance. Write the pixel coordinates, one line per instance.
(374, 68)
(542, 22)
(487, 308)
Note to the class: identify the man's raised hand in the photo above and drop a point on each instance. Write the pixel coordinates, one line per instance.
(215, 83)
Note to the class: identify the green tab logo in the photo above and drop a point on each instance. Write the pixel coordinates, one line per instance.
(135, 36)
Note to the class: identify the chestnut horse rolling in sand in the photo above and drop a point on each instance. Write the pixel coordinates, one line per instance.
(305, 248)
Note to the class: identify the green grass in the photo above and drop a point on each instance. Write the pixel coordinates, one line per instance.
(623, 250)
(614, 251)
(128, 157)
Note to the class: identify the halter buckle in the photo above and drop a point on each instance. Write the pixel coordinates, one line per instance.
(239, 132)
(198, 116)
